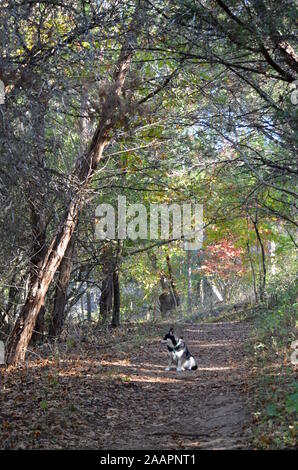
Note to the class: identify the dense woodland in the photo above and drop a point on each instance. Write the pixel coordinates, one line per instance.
(161, 102)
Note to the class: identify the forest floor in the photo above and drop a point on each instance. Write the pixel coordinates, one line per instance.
(111, 391)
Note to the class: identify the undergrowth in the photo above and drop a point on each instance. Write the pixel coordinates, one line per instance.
(274, 390)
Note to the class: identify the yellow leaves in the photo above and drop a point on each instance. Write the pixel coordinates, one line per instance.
(19, 51)
(44, 31)
(167, 198)
(130, 162)
(86, 45)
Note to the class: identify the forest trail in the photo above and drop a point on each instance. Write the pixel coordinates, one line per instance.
(202, 409)
(122, 398)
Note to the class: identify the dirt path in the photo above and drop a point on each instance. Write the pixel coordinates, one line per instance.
(204, 409)
(124, 399)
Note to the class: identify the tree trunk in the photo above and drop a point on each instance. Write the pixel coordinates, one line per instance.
(12, 294)
(173, 290)
(89, 309)
(252, 271)
(189, 283)
(38, 250)
(116, 285)
(59, 313)
(37, 198)
(116, 294)
(264, 271)
(83, 173)
(59, 316)
(38, 331)
(105, 303)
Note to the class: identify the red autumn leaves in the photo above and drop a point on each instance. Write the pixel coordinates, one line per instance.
(223, 259)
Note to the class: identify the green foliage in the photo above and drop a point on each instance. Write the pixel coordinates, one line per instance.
(44, 405)
(292, 401)
(275, 391)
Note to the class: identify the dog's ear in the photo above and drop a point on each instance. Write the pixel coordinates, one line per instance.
(171, 331)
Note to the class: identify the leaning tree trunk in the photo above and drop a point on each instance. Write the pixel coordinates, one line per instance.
(59, 313)
(23, 329)
(37, 197)
(59, 316)
(38, 332)
(83, 173)
(38, 225)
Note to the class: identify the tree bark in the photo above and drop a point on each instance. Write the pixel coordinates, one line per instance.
(59, 313)
(36, 195)
(116, 294)
(89, 308)
(263, 277)
(189, 282)
(252, 271)
(38, 331)
(83, 173)
(59, 316)
(12, 294)
(105, 303)
(173, 289)
(251, 261)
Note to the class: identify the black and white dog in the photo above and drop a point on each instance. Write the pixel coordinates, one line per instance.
(178, 353)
